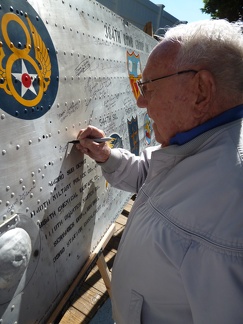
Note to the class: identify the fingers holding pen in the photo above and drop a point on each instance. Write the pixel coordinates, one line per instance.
(86, 136)
(90, 132)
(100, 152)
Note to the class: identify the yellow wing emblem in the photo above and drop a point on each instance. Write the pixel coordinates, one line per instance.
(3, 80)
(41, 55)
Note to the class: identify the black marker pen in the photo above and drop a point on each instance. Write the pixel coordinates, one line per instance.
(97, 140)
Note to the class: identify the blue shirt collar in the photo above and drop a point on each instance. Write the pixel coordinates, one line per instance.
(224, 118)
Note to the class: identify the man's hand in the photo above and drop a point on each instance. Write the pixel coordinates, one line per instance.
(100, 152)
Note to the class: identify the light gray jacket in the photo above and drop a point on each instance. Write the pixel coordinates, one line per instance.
(181, 255)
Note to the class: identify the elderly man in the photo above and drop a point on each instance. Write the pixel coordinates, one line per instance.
(181, 255)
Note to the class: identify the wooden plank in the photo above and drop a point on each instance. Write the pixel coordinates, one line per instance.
(105, 274)
(93, 277)
(128, 206)
(91, 295)
(109, 255)
(89, 301)
(73, 316)
(122, 220)
(109, 258)
(100, 285)
(82, 273)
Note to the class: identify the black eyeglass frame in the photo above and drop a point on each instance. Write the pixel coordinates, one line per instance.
(140, 84)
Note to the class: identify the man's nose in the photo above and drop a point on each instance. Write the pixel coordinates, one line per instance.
(142, 101)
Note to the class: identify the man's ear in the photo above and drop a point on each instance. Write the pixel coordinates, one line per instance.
(205, 89)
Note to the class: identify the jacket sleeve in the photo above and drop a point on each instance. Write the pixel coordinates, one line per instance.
(125, 170)
(215, 289)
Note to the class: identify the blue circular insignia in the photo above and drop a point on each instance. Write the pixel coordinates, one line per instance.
(28, 64)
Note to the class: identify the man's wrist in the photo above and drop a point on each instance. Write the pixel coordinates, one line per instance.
(113, 161)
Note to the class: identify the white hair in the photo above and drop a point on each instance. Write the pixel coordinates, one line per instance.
(215, 45)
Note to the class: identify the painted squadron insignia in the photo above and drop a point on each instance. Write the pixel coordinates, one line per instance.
(134, 71)
(116, 141)
(147, 129)
(133, 135)
(28, 63)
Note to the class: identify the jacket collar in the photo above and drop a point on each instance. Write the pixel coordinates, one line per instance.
(224, 118)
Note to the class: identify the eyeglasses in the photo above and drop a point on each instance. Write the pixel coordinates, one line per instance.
(140, 84)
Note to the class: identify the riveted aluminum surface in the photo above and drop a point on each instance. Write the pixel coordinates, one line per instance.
(63, 65)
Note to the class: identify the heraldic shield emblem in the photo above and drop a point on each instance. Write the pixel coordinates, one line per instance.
(134, 70)
(28, 63)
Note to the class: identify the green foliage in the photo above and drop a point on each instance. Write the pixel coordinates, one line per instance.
(229, 9)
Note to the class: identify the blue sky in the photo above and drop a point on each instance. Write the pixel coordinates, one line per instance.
(184, 9)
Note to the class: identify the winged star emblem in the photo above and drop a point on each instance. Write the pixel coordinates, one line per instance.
(36, 83)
